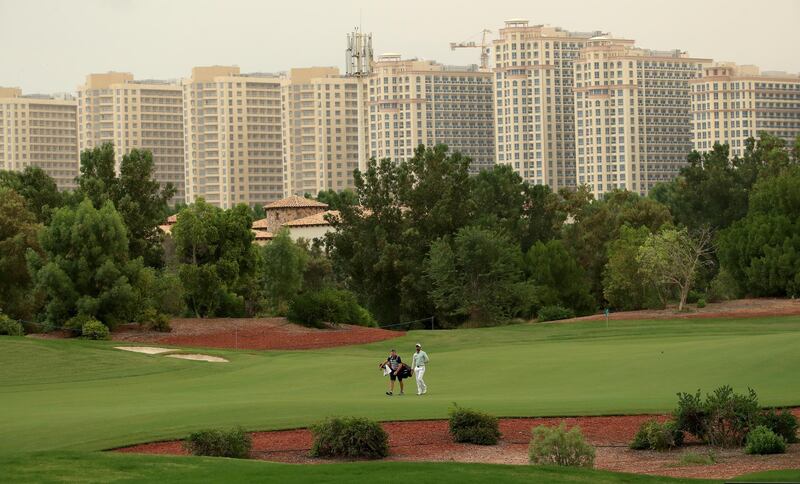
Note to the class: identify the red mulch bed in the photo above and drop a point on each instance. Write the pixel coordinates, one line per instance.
(739, 308)
(430, 441)
(254, 334)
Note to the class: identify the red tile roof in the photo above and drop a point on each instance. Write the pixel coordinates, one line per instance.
(294, 202)
(260, 224)
(313, 220)
(262, 235)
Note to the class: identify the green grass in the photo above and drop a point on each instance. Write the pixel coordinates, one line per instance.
(120, 468)
(60, 400)
(91, 467)
(84, 395)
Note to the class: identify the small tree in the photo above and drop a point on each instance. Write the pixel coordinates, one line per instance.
(18, 229)
(672, 258)
(284, 265)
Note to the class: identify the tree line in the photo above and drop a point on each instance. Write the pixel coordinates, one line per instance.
(415, 238)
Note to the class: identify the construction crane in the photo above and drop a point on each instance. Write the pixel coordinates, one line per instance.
(470, 44)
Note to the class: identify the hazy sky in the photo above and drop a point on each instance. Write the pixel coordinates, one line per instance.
(49, 46)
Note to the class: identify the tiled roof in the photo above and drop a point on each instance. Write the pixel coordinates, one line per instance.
(172, 219)
(262, 235)
(260, 224)
(313, 220)
(295, 202)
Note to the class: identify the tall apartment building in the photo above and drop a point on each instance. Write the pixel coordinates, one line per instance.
(232, 137)
(37, 130)
(632, 114)
(322, 114)
(534, 104)
(113, 107)
(731, 103)
(414, 102)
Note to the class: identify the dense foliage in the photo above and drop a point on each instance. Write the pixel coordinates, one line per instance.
(234, 443)
(761, 440)
(9, 327)
(86, 268)
(655, 435)
(349, 438)
(415, 238)
(18, 229)
(473, 427)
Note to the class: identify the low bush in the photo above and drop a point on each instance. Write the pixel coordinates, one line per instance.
(9, 327)
(653, 435)
(94, 329)
(784, 424)
(693, 458)
(762, 440)
(152, 320)
(690, 415)
(75, 323)
(235, 443)
(473, 427)
(554, 313)
(349, 437)
(730, 416)
(723, 287)
(557, 446)
(328, 306)
(701, 303)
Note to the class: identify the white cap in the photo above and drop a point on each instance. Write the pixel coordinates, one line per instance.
(419, 345)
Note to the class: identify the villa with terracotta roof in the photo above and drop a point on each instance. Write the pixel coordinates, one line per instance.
(285, 210)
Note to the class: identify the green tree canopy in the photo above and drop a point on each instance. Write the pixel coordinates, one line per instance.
(762, 251)
(597, 223)
(284, 266)
(136, 194)
(86, 267)
(18, 234)
(623, 286)
(37, 188)
(218, 262)
(476, 275)
(557, 278)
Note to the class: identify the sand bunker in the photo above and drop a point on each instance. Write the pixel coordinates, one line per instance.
(149, 350)
(196, 357)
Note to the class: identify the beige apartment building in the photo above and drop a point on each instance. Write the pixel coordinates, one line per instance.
(38, 130)
(325, 137)
(534, 103)
(632, 114)
(148, 114)
(232, 137)
(731, 103)
(414, 102)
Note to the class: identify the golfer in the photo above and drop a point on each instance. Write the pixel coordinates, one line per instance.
(418, 363)
(395, 366)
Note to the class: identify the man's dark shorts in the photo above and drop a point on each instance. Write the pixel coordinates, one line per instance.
(394, 377)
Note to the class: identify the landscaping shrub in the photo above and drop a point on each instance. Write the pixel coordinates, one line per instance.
(235, 443)
(349, 437)
(10, 327)
(94, 329)
(653, 435)
(730, 416)
(473, 427)
(783, 423)
(701, 303)
(693, 458)
(691, 415)
(724, 287)
(328, 306)
(553, 313)
(75, 323)
(762, 440)
(152, 320)
(557, 446)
